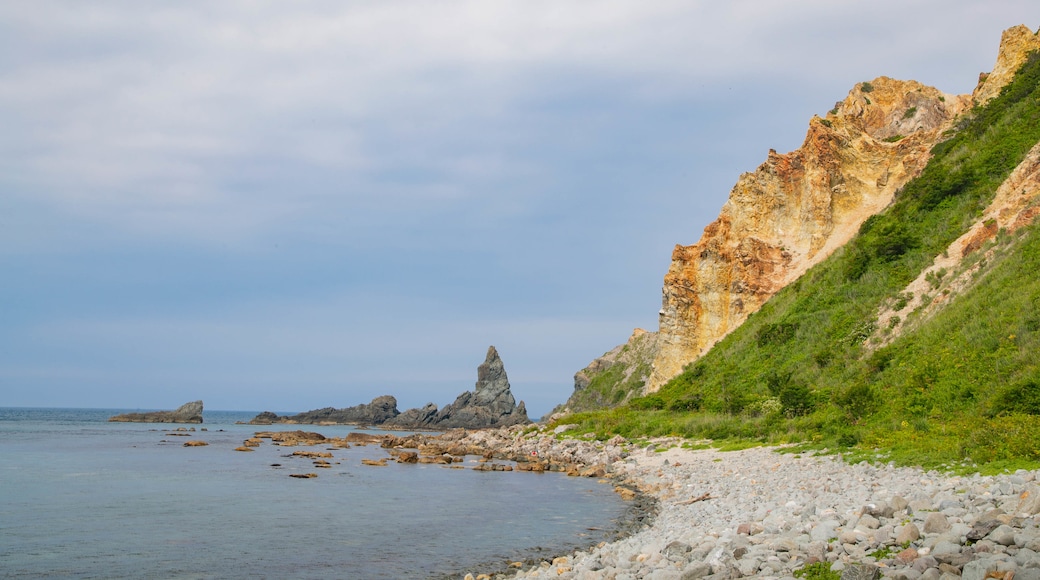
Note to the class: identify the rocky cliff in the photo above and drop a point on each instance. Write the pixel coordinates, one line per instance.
(615, 377)
(186, 413)
(797, 208)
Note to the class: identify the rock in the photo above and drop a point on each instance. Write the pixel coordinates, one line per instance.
(186, 413)
(374, 413)
(195, 444)
(491, 404)
(1028, 502)
(1003, 535)
(907, 556)
(244, 448)
(936, 523)
(908, 533)
(982, 529)
(861, 572)
(695, 571)
(375, 462)
(303, 475)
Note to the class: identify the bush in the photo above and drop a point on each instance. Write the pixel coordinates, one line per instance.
(1022, 397)
(866, 87)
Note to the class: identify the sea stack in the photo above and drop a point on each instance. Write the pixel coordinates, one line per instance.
(186, 413)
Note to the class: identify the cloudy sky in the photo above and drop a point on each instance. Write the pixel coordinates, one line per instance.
(291, 205)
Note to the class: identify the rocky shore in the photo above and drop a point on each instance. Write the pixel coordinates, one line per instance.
(762, 513)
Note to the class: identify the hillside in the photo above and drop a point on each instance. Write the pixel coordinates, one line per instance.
(919, 335)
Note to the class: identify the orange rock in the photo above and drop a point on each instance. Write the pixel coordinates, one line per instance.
(195, 443)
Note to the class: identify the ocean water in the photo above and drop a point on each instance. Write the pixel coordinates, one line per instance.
(84, 498)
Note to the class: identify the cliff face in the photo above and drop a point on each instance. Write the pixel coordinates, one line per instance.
(615, 377)
(797, 208)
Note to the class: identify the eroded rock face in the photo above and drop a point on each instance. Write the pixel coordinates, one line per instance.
(186, 413)
(797, 208)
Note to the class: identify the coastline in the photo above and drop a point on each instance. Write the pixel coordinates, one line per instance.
(762, 513)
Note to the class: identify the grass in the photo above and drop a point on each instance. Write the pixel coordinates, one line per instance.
(960, 391)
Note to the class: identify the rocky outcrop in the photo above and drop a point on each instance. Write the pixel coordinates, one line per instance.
(186, 413)
(491, 404)
(377, 412)
(615, 377)
(1015, 45)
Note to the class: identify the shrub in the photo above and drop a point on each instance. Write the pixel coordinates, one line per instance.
(1022, 397)
(866, 87)
(858, 401)
(910, 112)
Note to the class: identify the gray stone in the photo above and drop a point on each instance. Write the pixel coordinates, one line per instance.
(908, 533)
(880, 509)
(677, 551)
(898, 503)
(861, 572)
(868, 522)
(945, 548)
(695, 571)
(936, 523)
(1003, 535)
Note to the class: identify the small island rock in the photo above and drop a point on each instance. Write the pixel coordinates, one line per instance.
(186, 413)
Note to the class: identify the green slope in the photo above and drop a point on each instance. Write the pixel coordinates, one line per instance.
(958, 389)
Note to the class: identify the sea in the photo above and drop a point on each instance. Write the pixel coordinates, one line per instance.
(84, 498)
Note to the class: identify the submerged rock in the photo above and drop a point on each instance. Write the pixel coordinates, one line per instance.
(186, 413)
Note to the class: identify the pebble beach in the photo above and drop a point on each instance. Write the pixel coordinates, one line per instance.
(767, 514)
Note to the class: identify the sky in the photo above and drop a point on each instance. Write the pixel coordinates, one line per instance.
(292, 205)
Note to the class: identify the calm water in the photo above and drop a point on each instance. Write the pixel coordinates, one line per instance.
(84, 498)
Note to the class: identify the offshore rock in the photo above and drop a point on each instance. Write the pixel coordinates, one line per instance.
(186, 413)
(374, 413)
(491, 404)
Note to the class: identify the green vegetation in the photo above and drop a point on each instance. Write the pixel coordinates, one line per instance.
(817, 571)
(866, 87)
(959, 392)
(894, 138)
(910, 113)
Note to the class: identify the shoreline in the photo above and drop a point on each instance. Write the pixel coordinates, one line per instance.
(761, 513)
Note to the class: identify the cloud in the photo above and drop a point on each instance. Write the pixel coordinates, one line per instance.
(251, 195)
